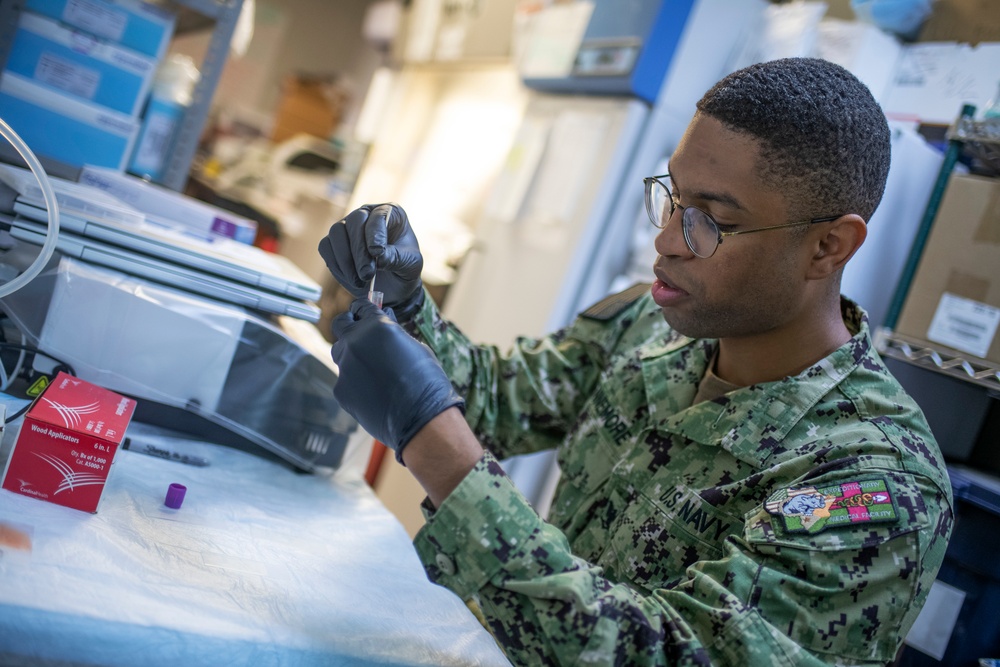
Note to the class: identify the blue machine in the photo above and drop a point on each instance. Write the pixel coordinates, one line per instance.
(626, 49)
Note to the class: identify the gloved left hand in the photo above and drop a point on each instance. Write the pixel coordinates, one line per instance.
(390, 382)
(378, 238)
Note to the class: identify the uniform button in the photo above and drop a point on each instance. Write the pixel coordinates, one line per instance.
(445, 564)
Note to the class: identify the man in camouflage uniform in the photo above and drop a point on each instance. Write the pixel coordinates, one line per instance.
(743, 481)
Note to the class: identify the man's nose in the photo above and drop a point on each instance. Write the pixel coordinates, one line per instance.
(669, 242)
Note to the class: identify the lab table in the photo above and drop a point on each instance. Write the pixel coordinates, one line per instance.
(261, 565)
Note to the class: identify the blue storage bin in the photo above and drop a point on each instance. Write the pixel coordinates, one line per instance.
(81, 65)
(970, 565)
(63, 128)
(139, 26)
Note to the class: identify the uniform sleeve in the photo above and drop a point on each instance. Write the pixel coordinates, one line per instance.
(767, 599)
(525, 399)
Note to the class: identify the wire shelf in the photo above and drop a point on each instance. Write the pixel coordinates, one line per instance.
(981, 140)
(941, 359)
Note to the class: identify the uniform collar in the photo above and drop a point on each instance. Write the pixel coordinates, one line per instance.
(751, 422)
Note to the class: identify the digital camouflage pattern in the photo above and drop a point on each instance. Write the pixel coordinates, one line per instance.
(666, 542)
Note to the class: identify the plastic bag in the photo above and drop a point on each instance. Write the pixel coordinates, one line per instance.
(902, 17)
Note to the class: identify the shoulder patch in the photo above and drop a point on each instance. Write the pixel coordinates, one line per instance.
(810, 509)
(611, 306)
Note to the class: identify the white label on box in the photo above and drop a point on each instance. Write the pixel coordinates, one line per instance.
(936, 621)
(67, 75)
(964, 324)
(95, 18)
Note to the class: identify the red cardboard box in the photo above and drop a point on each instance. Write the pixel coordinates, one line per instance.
(68, 442)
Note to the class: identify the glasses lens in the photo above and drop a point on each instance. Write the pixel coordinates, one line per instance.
(700, 232)
(658, 205)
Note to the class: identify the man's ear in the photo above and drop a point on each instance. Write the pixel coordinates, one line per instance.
(836, 243)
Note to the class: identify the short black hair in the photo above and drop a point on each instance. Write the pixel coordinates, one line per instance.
(824, 139)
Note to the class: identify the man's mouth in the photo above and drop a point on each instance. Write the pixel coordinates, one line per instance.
(665, 293)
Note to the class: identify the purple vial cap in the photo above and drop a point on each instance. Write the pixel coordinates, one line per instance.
(175, 496)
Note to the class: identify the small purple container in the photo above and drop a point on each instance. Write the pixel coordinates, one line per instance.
(175, 496)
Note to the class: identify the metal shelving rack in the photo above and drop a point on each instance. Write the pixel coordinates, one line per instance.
(224, 14)
(980, 139)
(940, 359)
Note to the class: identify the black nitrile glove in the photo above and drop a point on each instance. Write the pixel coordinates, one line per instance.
(391, 383)
(377, 237)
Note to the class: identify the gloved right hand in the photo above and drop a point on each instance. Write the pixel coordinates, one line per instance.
(377, 238)
(390, 382)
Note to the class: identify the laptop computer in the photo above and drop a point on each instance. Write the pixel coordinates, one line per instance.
(91, 213)
(223, 257)
(165, 272)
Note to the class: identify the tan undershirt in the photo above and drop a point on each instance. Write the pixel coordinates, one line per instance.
(711, 385)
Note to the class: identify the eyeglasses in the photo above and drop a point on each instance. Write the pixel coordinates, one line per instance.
(701, 233)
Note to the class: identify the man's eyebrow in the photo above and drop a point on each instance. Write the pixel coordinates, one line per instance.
(704, 195)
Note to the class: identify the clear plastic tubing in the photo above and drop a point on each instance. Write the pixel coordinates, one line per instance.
(50, 203)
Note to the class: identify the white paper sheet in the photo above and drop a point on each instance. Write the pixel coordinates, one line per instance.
(932, 629)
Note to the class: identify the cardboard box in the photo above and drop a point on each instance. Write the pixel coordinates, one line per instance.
(970, 21)
(309, 106)
(68, 443)
(80, 65)
(954, 299)
(66, 129)
(139, 26)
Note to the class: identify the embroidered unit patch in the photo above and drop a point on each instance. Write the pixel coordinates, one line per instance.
(810, 509)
